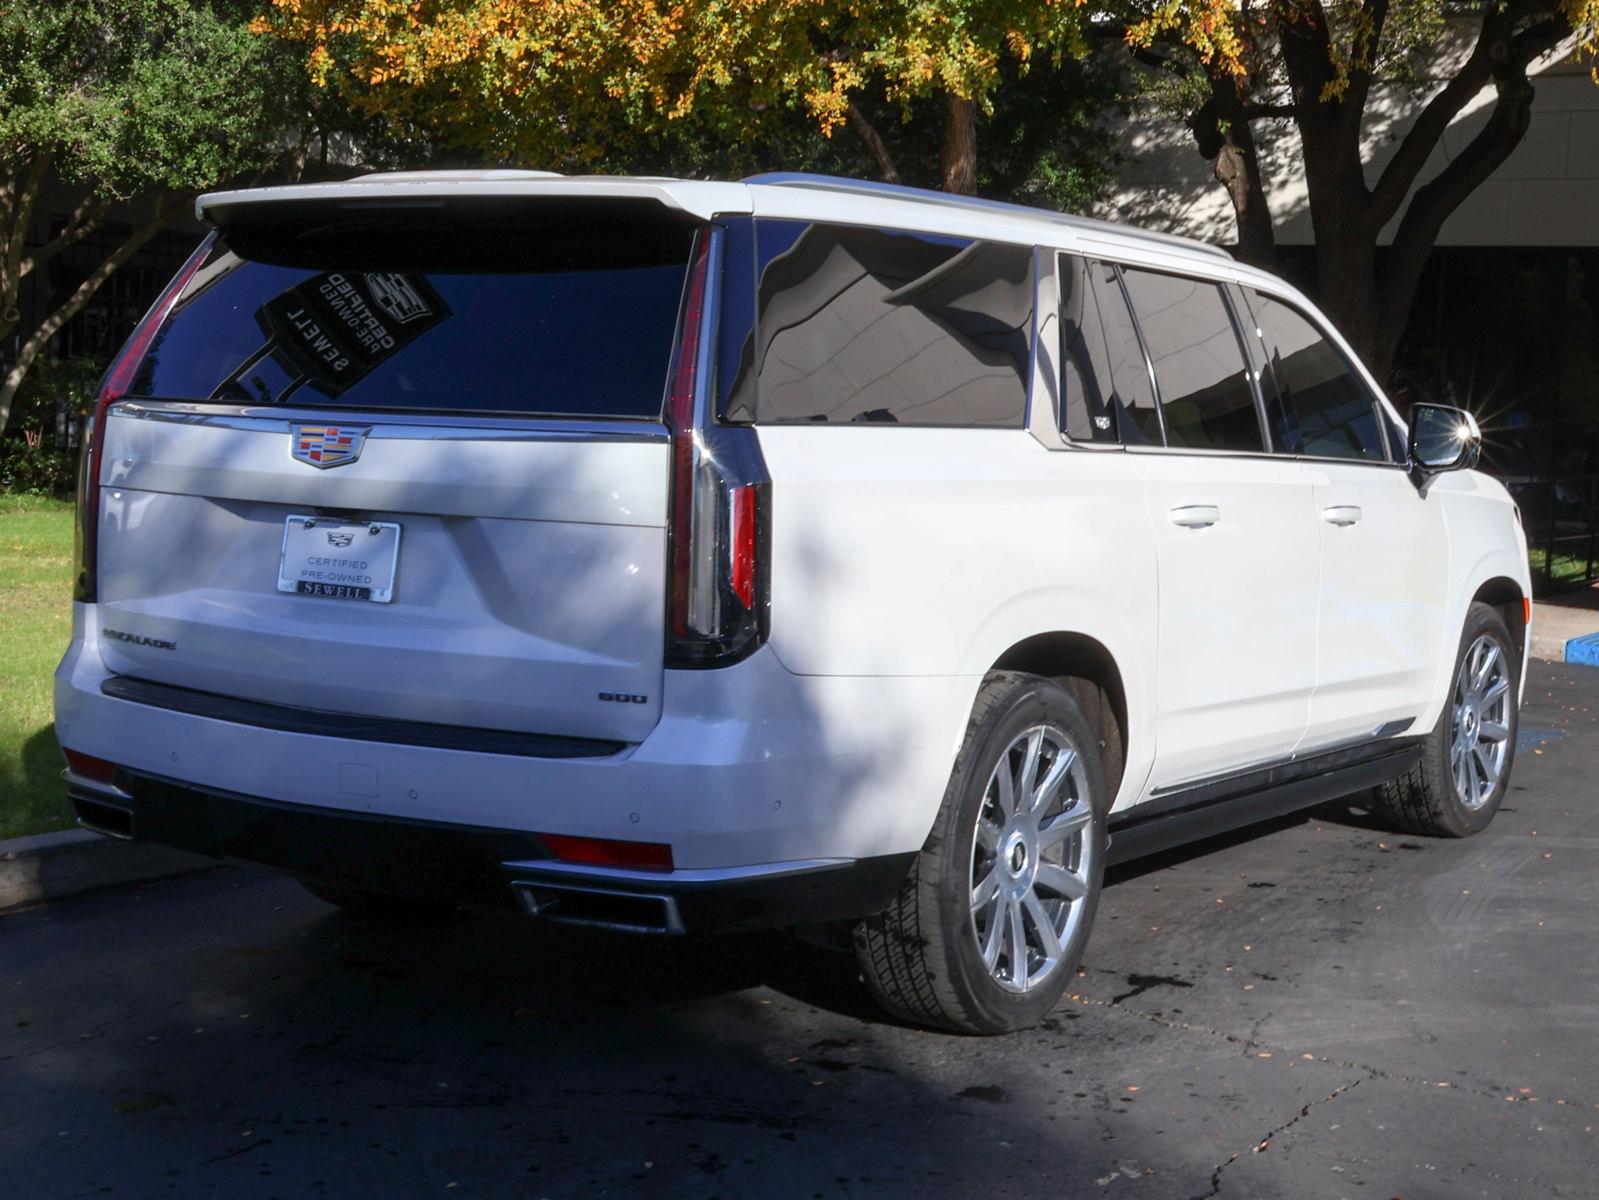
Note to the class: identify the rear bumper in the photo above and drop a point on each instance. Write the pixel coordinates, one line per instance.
(750, 765)
(463, 864)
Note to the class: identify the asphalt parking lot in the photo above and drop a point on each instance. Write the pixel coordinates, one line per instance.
(1316, 1008)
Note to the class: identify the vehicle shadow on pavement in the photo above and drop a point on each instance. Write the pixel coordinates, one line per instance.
(264, 1045)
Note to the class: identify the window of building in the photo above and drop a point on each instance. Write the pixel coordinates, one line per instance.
(1205, 393)
(1315, 404)
(874, 325)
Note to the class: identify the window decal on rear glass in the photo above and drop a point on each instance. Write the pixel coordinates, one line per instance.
(334, 328)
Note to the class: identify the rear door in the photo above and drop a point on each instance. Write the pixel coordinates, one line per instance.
(1235, 536)
(407, 469)
(1384, 548)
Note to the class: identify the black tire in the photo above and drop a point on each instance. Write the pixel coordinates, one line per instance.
(381, 905)
(1428, 799)
(921, 958)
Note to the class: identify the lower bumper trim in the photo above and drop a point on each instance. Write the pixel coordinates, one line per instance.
(486, 867)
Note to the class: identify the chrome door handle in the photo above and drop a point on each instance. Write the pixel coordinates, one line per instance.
(1341, 514)
(1195, 516)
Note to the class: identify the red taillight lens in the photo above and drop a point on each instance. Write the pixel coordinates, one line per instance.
(89, 767)
(741, 544)
(116, 384)
(608, 852)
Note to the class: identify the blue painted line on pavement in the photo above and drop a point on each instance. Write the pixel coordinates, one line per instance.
(1584, 650)
(1530, 739)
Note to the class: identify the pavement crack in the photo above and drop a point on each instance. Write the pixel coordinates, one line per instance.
(1251, 1043)
(1260, 1146)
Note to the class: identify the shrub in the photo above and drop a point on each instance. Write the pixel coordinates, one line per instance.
(32, 458)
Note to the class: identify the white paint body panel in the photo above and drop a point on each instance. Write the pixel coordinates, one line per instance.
(1385, 583)
(1237, 623)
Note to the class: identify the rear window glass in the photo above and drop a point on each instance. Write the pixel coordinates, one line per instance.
(857, 324)
(536, 318)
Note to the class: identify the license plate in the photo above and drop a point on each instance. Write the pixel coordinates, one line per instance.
(341, 560)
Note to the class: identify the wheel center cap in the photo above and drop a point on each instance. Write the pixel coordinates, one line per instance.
(1018, 858)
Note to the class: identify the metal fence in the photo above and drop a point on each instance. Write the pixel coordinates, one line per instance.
(1561, 517)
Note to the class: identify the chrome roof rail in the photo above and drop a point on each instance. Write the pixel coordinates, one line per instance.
(898, 191)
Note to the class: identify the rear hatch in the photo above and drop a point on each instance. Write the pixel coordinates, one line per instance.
(406, 464)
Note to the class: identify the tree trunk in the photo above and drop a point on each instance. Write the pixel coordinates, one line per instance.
(30, 349)
(1222, 132)
(1347, 290)
(959, 151)
(867, 132)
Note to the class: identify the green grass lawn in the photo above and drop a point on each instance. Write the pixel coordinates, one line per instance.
(35, 626)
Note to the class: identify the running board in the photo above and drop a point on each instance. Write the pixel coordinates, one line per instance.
(1211, 808)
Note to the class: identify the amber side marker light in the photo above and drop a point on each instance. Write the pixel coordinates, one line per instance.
(1526, 610)
(608, 852)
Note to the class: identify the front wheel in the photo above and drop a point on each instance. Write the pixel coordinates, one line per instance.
(1465, 763)
(989, 926)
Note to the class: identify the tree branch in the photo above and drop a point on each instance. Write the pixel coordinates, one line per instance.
(1363, 60)
(867, 132)
(87, 217)
(1435, 201)
(15, 233)
(162, 211)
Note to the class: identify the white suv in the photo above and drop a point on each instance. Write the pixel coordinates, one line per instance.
(676, 556)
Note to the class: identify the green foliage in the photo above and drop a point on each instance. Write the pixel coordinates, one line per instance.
(33, 460)
(720, 87)
(1049, 140)
(131, 95)
(36, 470)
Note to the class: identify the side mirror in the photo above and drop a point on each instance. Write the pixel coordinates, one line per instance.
(1442, 438)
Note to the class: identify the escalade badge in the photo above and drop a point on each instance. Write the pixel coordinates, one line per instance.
(327, 445)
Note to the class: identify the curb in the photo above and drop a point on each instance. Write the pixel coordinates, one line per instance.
(1584, 650)
(52, 866)
(1579, 651)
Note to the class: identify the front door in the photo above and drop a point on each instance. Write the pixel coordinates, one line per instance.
(1384, 548)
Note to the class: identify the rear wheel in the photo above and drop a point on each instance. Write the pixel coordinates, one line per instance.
(1465, 764)
(989, 926)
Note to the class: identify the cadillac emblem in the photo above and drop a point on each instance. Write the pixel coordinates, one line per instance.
(327, 445)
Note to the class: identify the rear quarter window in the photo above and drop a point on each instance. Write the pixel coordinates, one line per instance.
(497, 318)
(857, 324)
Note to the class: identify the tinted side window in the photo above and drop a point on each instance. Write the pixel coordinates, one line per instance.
(1085, 375)
(1205, 394)
(1315, 404)
(1132, 399)
(859, 324)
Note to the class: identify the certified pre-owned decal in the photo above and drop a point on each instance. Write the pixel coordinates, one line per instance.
(139, 639)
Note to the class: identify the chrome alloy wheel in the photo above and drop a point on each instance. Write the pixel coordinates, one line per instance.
(1032, 858)
(1481, 738)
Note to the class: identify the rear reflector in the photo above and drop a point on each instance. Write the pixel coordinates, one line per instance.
(742, 544)
(606, 852)
(86, 766)
(1526, 610)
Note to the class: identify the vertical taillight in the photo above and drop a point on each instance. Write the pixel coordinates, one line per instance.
(113, 387)
(720, 497)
